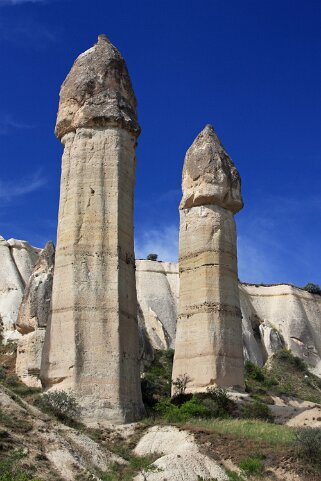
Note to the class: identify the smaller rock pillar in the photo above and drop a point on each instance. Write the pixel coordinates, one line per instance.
(209, 329)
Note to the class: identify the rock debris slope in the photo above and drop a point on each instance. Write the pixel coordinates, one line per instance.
(180, 458)
(92, 342)
(208, 345)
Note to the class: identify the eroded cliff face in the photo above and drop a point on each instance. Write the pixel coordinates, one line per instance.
(272, 317)
(33, 317)
(17, 259)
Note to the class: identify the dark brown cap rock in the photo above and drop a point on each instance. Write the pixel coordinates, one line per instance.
(209, 175)
(97, 92)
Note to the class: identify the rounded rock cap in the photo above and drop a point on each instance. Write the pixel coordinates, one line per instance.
(97, 92)
(209, 175)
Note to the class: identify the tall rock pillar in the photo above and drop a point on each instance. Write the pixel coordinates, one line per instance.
(209, 345)
(91, 345)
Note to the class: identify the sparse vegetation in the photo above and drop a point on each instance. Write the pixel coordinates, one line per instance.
(61, 404)
(257, 410)
(251, 466)
(127, 472)
(11, 471)
(308, 441)
(312, 288)
(180, 384)
(285, 374)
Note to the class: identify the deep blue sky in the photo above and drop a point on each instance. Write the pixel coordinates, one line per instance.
(251, 68)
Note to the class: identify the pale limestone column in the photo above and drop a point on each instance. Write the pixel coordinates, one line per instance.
(208, 345)
(91, 345)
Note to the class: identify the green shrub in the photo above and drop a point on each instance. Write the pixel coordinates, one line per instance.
(152, 257)
(252, 371)
(308, 441)
(251, 466)
(287, 356)
(156, 384)
(217, 401)
(178, 414)
(257, 410)
(312, 288)
(60, 403)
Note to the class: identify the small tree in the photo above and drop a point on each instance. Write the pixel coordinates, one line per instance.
(60, 403)
(180, 384)
(152, 257)
(313, 288)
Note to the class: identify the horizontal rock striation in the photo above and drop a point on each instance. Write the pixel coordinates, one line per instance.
(92, 342)
(208, 345)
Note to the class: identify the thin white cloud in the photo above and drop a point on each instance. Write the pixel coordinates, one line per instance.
(10, 190)
(7, 124)
(163, 242)
(13, 3)
(27, 32)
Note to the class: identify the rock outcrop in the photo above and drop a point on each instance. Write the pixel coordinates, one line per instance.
(157, 300)
(33, 318)
(285, 316)
(92, 342)
(35, 307)
(208, 347)
(180, 458)
(16, 260)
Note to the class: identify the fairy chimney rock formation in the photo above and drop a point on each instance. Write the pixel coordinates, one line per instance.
(208, 344)
(92, 342)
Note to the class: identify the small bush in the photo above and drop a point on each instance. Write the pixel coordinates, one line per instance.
(312, 288)
(308, 441)
(254, 372)
(180, 384)
(152, 257)
(251, 466)
(287, 356)
(156, 384)
(217, 401)
(60, 403)
(257, 410)
(179, 414)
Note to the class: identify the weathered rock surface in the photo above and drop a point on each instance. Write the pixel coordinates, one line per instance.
(97, 92)
(92, 341)
(286, 315)
(157, 286)
(273, 317)
(16, 262)
(180, 457)
(35, 307)
(209, 175)
(33, 317)
(29, 353)
(208, 345)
